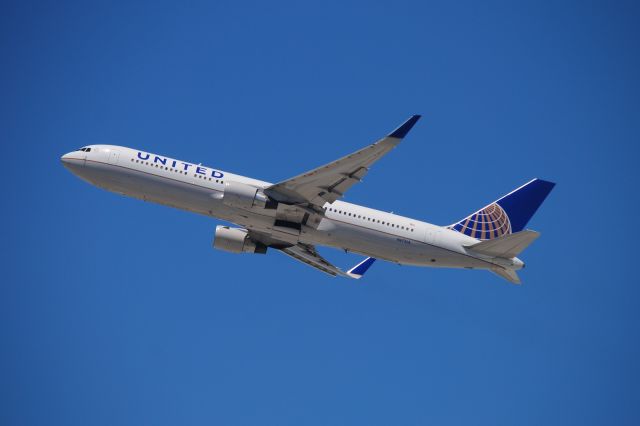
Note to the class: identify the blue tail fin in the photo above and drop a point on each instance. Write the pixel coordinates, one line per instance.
(508, 214)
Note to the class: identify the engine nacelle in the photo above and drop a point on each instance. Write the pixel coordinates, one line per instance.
(243, 196)
(236, 240)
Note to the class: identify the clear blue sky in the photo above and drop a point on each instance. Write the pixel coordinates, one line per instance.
(115, 311)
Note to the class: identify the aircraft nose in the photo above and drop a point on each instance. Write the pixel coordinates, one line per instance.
(66, 159)
(73, 160)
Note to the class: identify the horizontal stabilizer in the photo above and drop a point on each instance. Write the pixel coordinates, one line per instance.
(508, 274)
(506, 246)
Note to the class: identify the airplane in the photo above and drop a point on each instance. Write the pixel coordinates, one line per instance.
(298, 214)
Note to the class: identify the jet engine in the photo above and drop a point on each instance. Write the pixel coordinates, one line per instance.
(236, 240)
(243, 196)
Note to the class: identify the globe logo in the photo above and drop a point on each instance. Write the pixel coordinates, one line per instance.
(486, 224)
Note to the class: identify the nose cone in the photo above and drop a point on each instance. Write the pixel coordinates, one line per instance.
(66, 159)
(73, 161)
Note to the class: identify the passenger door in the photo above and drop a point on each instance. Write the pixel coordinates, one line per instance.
(113, 156)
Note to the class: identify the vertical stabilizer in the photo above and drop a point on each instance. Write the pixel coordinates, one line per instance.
(507, 215)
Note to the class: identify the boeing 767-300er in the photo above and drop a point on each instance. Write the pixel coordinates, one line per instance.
(295, 215)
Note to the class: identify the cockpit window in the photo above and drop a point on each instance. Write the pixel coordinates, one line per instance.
(85, 149)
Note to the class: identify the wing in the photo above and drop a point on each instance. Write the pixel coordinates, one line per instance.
(307, 254)
(329, 182)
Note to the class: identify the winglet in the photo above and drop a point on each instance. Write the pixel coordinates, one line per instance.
(404, 128)
(358, 271)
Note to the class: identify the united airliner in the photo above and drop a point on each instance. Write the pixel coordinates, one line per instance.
(298, 214)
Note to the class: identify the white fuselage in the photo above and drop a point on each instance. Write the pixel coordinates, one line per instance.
(346, 226)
